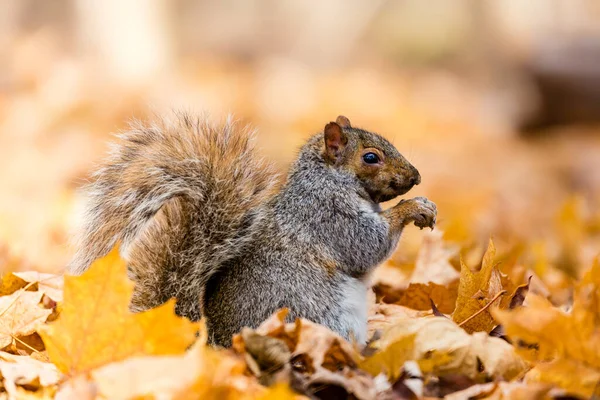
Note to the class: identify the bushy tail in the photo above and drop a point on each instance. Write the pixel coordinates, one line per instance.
(181, 197)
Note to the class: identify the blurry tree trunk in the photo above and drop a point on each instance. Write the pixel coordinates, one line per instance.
(9, 12)
(331, 29)
(131, 40)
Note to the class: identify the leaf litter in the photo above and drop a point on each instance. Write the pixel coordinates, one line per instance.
(468, 332)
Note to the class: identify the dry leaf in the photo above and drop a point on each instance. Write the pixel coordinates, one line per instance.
(25, 371)
(322, 360)
(382, 316)
(503, 391)
(279, 392)
(96, 327)
(11, 283)
(220, 376)
(161, 376)
(518, 297)
(268, 358)
(442, 347)
(389, 275)
(20, 315)
(418, 296)
(562, 372)
(79, 387)
(480, 391)
(50, 284)
(432, 263)
(391, 360)
(475, 291)
(564, 344)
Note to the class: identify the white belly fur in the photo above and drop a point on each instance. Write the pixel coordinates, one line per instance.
(353, 309)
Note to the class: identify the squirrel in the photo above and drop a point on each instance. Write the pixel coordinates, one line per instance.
(201, 217)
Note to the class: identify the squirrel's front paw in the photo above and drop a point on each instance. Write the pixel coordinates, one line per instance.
(420, 210)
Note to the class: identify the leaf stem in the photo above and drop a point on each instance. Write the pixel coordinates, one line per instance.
(24, 344)
(500, 293)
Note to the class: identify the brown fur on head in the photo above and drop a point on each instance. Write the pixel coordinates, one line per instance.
(379, 166)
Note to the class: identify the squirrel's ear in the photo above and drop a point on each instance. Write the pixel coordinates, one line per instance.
(335, 141)
(343, 122)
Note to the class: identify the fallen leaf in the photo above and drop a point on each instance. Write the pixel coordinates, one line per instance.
(503, 391)
(418, 296)
(480, 391)
(391, 361)
(19, 371)
(11, 283)
(279, 392)
(50, 284)
(268, 358)
(160, 376)
(433, 263)
(389, 276)
(475, 291)
(79, 387)
(31, 345)
(96, 327)
(221, 376)
(441, 347)
(322, 361)
(382, 316)
(518, 297)
(551, 282)
(562, 344)
(441, 386)
(20, 315)
(520, 390)
(561, 372)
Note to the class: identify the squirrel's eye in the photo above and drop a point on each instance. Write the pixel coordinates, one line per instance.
(371, 158)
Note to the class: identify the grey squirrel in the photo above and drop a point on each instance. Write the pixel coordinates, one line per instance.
(200, 217)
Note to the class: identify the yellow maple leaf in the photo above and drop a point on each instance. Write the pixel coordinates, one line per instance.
(563, 343)
(476, 290)
(96, 327)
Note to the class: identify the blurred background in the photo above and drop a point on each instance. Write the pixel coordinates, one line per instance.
(497, 103)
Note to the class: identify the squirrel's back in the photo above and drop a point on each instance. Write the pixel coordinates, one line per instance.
(181, 197)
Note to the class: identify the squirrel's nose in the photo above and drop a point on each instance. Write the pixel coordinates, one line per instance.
(415, 179)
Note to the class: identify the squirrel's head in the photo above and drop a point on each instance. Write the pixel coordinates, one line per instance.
(382, 170)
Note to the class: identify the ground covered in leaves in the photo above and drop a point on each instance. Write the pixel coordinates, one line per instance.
(463, 325)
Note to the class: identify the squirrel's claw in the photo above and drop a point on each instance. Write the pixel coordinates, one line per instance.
(426, 213)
